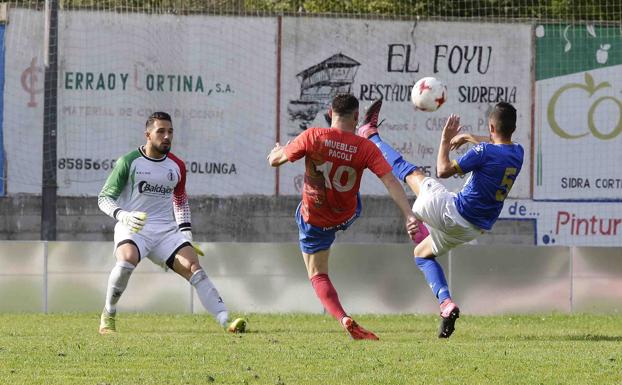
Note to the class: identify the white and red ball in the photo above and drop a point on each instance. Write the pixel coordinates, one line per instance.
(428, 94)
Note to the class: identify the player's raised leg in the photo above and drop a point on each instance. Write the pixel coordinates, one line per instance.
(186, 264)
(369, 130)
(424, 256)
(127, 258)
(401, 168)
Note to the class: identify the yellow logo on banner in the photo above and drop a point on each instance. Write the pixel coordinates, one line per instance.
(590, 88)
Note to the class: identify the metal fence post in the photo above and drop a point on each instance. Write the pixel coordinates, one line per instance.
(571, 272)
(45, 277)
(49, 184)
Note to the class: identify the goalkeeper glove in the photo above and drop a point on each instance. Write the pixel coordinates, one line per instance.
(196, 248)
(134, 220)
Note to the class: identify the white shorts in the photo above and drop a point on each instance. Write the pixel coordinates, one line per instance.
(436, 207)
(156, 242)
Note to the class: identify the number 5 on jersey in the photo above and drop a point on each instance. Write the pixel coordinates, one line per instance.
(507, 182)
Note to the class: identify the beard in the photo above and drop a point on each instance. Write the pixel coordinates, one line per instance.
(164, 148)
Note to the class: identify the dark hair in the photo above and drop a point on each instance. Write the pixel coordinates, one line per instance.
(504, 116)
(344, 104)
(158, 115)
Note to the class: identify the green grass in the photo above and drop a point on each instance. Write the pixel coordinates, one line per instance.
(310, 349)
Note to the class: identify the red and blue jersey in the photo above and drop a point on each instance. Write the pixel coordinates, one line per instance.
(334, 163)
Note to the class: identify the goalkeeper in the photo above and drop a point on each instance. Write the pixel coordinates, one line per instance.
(146, 194)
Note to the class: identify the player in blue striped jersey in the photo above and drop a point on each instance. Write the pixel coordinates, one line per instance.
(453, 219)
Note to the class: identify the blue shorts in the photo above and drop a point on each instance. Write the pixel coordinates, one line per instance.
(313, 239)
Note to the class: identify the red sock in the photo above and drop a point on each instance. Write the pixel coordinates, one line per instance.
(327, 294)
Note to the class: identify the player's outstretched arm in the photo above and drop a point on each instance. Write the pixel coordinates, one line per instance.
(398, 195)
(277, 156)
(461, 139)
(444, 167)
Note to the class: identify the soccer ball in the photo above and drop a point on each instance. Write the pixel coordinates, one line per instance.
(428, 94)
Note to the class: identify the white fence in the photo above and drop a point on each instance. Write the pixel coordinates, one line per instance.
(268, 277)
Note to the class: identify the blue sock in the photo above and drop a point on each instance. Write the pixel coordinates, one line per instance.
(401, 168)
(433, 272)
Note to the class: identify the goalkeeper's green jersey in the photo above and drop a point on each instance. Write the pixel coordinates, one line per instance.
(154, 186)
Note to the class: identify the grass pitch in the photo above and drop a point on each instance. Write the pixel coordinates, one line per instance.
(310, 349)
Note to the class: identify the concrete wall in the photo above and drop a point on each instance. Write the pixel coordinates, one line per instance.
(270, 277)
(236, 219)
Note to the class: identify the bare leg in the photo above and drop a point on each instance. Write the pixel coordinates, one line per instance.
(316, 263)
(414, 180)
(317, 271)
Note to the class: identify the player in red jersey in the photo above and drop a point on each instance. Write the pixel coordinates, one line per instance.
(335, 159)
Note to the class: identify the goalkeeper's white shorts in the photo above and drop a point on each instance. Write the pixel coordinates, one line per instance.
(436, 207)
(156, 242)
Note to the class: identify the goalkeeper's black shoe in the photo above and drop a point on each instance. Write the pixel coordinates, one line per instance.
(449, 314)
(369, 126)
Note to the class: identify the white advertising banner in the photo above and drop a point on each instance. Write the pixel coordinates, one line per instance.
(481, 64)
(570, 223)
(579, 120)
(215, 75)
